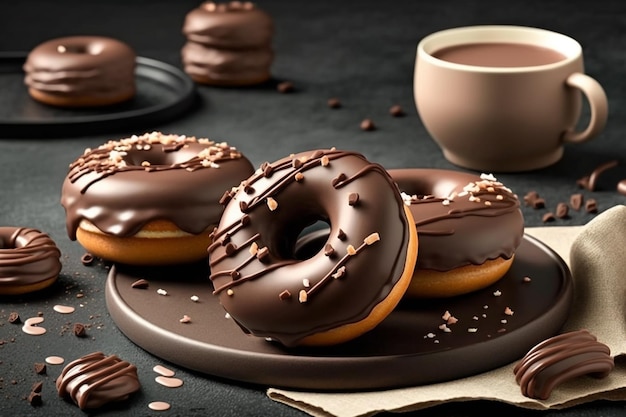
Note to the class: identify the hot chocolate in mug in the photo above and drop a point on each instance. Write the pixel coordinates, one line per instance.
(504, 98)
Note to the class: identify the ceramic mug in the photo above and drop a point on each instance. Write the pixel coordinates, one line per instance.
(504, 98)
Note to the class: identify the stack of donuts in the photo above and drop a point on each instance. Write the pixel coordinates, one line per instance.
(228, 44)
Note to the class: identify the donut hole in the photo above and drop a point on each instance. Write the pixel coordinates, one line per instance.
(311, 240)
(155, 156)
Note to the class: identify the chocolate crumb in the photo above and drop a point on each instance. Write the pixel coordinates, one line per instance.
(583, 182)
(548, 217)
(341, 235)
(87, 259)
(285, 87)
(79, 330)
(37, 387)
(353, 199)
(368, 125)
(14, 318)
(539, 203)
(334, 103)
(530, 197)
(141, 284)
(621, 187)
(562, 210)
(34, 398)
(40, 368)
(284, 295)
(591, 206)
(576, 201)
(396, 111)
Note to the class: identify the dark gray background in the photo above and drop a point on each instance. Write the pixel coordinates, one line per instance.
(362, 52)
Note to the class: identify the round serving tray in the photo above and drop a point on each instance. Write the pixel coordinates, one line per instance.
(163, 93)
(407, 348)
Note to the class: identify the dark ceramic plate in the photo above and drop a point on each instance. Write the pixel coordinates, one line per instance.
(163, 93)
(407, 348)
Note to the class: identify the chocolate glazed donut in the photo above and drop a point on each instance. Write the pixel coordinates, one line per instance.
(469, 227)
(29, 260)
(347, 287)
(79, 71)
(151, 199)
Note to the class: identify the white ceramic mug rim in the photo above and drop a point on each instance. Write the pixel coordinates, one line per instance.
(504, 33)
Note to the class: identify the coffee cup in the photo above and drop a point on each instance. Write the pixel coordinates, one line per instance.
(505, 98)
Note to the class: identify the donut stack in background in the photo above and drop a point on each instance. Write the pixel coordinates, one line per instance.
(228, 44)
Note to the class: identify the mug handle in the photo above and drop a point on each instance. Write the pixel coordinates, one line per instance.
(598, 105)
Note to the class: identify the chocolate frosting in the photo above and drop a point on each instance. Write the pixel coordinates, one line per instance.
(461, 219)
(81, 65)
(262, 285)
(559, 359)
(225, 63)
(95, 380)
(27, 256)
(123, 185)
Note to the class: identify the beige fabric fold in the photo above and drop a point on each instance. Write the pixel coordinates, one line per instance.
(596, 254)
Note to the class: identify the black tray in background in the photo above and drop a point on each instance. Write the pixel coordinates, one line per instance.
(163, 93)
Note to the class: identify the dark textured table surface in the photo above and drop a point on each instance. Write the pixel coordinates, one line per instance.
(360, 52)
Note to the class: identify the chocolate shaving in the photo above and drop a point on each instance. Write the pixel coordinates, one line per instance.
(37, 387)
(595, 174)
(141, 284)
(34, 398)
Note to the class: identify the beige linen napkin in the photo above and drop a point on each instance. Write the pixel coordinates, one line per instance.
(596, 255)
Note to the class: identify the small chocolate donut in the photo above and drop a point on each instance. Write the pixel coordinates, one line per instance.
(228, 44)
(81, 71)
(151, 199)
(469, 227)
(29, 260)
(345, 289)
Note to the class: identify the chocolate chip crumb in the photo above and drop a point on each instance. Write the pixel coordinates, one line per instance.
(353, 199)
(141, 284)
(562, 210)
(334, 103)
(530, 197)
(79, 330)
(576, 201)
(396, 111)
(548, 217)
(40, 368)
(14, 318)
(368, 125)
(285, 87)
(87, 259)
(591, 206)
